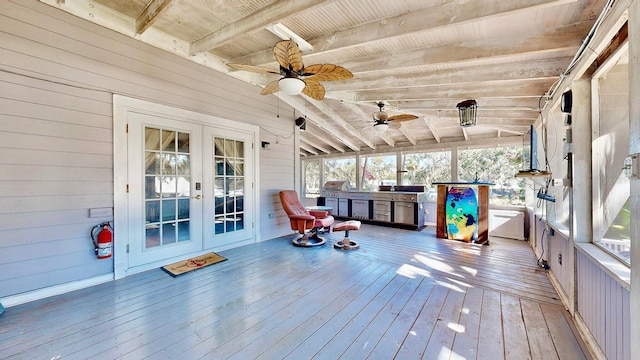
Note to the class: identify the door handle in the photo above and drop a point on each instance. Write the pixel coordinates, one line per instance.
(198, 197)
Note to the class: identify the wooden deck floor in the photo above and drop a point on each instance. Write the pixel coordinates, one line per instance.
(404, 294)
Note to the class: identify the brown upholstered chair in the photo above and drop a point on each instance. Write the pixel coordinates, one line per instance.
(304, 221)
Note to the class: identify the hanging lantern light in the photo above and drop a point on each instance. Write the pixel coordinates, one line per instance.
(467, 111)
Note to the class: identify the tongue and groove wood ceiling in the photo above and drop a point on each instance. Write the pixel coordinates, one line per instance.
(419, 57)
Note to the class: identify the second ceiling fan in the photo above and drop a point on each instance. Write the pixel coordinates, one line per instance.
(382, 120)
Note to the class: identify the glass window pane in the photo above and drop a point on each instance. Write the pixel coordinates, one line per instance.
(183, 209)
(183, 165)
(152, 236)
(183, 142)
(312, 178)
(219, 147)
(617, 239)
(168, 164)
(239, 149)
(229, 224)
(341, 169)
(151, 139)
(184, 186)
(229, 202)
(168, 233)
(425, 169)
(168, 210)
(169, 186)
(376, 170)
(239, 186)
(168, 140)
(496, 165)
(152, 187)
(239, 221)
(152, 211)
(151, 163)
(183, 231)
(239, 167)
(229, 168)
(219, 164)
(219, 224)
(229, 148)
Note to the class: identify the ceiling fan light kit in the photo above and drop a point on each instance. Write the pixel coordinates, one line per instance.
(291, 86)
(467, 111)
(380, 127)
(289, 58)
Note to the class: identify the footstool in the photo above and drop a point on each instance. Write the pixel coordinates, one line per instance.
(346, 243)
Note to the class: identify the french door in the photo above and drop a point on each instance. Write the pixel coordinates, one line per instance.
(190, 188)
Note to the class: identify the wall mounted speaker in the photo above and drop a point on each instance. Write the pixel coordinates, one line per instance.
(301, 123)
(566, 102)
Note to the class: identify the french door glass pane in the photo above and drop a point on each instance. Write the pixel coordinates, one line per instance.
(167, 187)
(228, 167)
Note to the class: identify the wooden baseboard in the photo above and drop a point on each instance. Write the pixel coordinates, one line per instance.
(26, 297)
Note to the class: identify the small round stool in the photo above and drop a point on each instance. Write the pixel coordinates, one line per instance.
(346, 243)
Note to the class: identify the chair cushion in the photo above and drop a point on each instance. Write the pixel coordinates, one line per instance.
(347, 225)
(324, 222)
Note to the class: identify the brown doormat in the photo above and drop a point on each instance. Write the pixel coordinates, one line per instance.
(185, 266)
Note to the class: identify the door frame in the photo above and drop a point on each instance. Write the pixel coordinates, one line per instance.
(122, 106)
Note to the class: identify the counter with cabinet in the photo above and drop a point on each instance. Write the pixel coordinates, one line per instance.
(393, 208)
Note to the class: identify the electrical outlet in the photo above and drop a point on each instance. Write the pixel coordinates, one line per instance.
(560, 258)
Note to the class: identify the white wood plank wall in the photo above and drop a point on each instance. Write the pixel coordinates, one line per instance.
(603, 304)
(57, 77)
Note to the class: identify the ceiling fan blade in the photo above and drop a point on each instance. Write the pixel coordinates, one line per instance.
(288, 55)
(326, 72)
(253, 68)
(313, 89)
(402, 117)
(272, 87)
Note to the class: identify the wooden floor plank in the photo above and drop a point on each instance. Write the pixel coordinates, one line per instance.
(259, 336)
(320, 336)
(395, 334)
(285, 340)
(361, 346)
(539, 338)
(516, 346)
(465, 344)
(404, 294)
(444, 332)
(491, 335)
(342, 339)
(561, 332)
(417, 338)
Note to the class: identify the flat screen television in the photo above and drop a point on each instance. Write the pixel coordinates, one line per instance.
(529, 151)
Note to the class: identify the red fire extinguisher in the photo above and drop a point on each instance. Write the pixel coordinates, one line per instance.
(105, 240)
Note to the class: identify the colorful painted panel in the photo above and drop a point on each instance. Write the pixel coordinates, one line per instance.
(462, 214)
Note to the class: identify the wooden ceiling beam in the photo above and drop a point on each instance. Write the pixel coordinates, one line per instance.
(317, 119)
(433, 129)
(315, 145)
(312, 138)
(548, 69)
(408, 135)
(518, 88)
(439, 16)
(256, 21)
(558, 42)
(150, 14)
(497, 103)
(308, 149)
(337, 118)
